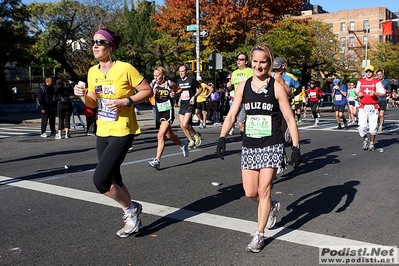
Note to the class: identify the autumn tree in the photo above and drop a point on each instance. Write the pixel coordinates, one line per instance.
(306, 45)
(61, 25)
(385, 56)
(15, 42)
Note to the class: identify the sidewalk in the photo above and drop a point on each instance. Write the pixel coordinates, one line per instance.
(28, 114)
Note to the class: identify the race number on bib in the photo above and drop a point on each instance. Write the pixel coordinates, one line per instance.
(257, 126)
(165, 106)
(103, 111)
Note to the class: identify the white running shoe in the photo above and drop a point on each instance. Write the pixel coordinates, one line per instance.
(184, 149)
(154, 163)
(365, 144)
(44, 135)
(257, 243)
(271, 221)
(132, 221)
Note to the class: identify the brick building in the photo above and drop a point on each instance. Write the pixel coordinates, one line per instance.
(357, 30)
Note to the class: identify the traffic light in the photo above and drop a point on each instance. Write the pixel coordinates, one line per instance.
(192, 65)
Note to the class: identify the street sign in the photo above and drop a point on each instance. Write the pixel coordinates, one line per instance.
(191, 27)
(203, 34)
(215, 61)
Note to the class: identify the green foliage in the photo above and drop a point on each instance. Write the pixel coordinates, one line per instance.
(15, 42)
(385, 56)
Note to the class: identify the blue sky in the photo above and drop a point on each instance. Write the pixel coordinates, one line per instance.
(336, 5)
(328, 5)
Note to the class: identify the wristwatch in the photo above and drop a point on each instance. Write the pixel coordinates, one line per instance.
(129, 101)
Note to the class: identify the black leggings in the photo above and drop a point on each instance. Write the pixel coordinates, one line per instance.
(111, 152)
(313, 106)
(64, 115)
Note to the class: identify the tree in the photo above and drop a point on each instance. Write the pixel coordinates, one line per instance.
(60, 25)
(306, 45)
(385, 56)
(15, 42)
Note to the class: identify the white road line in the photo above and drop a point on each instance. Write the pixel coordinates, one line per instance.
(239, 225)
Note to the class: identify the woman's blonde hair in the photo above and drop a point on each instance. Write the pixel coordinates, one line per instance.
(268, 50)
(161, 69)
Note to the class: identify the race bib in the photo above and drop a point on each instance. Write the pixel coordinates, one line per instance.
(312, 95)
(338, 97)
(164, 106)
(185, 95)
(103, 111)
(369, 108)
(257, 126)
(297, 98)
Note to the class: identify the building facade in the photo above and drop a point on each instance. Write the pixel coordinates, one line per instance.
(358, 30)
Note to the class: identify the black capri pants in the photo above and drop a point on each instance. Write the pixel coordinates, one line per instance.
(111, 152)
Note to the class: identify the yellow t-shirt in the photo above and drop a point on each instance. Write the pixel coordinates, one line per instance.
(118, 83)
(204, 92)
(240, 75)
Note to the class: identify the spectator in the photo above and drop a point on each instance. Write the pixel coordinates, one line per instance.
(48, 106)
(64, 109)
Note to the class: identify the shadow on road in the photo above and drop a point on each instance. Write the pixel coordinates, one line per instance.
(225, 195)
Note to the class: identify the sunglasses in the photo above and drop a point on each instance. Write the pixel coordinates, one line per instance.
(368, 70)
(99, 42)
(240, 59)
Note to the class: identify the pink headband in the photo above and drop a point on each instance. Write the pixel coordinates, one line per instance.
(108, 37)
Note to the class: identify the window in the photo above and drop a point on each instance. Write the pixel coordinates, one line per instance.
(351, 41)
(366, 24)
(351, 25)
(342, 40)
(343, 27)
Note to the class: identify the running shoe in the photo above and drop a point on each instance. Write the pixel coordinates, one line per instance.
(271, 221)
(68, 136)
(257, 243)
(132, 222)
(339, 126)
(371, 146)
(379, 129)
(44, 135)
(154, 163)
(58, 136)
(184, 149)
(317, 122)
(201, 126)
(197, 139)
(345, 124)
(191, 145)
(365, 144)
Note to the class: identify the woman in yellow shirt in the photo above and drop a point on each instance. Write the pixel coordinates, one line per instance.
(111, 86)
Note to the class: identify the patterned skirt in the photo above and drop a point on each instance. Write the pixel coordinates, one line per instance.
(259, 158)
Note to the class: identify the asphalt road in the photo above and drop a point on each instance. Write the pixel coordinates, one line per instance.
(340, 196)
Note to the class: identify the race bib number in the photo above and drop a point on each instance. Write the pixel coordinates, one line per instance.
(338, 97)
(165, 106)
(369, 108)
(313, 95)
(297, 98)
(103, 111)
(185, 95)
(257, 126)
